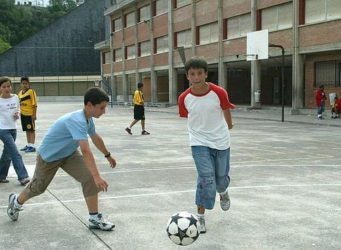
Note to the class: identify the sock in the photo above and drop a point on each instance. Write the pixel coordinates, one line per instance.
(200, 215)
(17, 204)
(222, 193)
(93, 215)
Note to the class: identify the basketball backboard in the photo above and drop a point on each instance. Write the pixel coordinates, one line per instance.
(257, 45)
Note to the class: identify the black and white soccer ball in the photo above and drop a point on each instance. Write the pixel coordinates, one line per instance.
(183, 228)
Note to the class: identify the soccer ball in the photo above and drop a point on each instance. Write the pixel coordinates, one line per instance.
(182, 228)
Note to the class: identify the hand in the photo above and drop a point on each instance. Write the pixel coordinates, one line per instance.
(101, 183)
(112, 162)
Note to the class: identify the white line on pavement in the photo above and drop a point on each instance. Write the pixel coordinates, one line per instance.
(183, 191)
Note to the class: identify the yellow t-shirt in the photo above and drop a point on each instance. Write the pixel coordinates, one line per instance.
(138, 97)
(28, 100)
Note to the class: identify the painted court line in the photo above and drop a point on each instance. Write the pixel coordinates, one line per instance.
(182, 191)
(186, 167)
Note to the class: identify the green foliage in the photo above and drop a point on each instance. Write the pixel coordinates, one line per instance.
(3, 46)
(18, 22)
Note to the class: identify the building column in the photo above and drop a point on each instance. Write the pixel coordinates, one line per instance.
(112, 83)
(125, 87)
(172, 85)
(297, 65)
(153, 78)
(221, 66)
(153, 83)
(255, 64)
(124, 76)
(194, 27)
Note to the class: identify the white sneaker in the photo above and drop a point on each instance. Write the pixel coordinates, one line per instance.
(225, 201)
(99, 223)
(13, 209)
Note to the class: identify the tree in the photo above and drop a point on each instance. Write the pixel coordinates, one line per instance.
(4, 46)
(18, 22)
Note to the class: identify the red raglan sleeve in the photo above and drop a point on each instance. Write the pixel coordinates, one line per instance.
(223, 97)
(183, 112)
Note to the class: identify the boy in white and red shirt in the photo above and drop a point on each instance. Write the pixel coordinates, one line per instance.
(207, 108)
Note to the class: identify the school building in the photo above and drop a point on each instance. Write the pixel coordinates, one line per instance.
(149, 39)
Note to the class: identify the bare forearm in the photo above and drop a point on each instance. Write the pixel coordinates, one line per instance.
(99, 143)
(90, 163)
(228, 118)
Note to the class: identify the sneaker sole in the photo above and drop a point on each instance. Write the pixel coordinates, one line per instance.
(98, 228)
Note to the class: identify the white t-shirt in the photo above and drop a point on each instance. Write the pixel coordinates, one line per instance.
(8, 107)
(206, 123)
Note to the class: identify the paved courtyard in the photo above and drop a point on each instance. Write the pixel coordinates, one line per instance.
(285, 188)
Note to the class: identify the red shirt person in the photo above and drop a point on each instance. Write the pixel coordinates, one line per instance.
(320, 98)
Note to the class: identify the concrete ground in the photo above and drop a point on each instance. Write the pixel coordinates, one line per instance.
(285, 186)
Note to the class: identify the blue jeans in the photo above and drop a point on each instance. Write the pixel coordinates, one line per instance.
(213, 168)
(11, 153)
(320, 109)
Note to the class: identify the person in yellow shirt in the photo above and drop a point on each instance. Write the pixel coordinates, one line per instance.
(138, 110)
(28, 113)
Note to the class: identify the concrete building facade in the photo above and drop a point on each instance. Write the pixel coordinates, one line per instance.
(149, 39)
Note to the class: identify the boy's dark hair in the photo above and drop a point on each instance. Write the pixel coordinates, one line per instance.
(4, 79)
(196, 63)
(139, 85)
(24, 78)
(321, 86)
(95, 96)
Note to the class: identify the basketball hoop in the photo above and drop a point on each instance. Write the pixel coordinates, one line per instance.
(257, 45)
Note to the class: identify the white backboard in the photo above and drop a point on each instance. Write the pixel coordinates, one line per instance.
(257, 45)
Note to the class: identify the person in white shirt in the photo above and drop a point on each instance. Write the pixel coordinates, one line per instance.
(9, 114)
(207, 108)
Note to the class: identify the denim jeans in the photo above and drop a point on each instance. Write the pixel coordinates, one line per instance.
(11, 153)
(320, 109)
(213, 168)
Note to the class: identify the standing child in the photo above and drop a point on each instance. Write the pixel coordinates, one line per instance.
(207, 107)
(138, 110)
(9, 114)
(59, 150)
(336, 108)
(320, 99)
(28, 113)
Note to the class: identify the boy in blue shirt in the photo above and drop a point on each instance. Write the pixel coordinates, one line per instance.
(59, 150)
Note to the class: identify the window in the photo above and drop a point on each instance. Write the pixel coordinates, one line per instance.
(238, 26)
(130, 52)
(161, 6)
(106, 57)
(322, 10)
(117, 54)
(184, 38)
(130, 19)
(277, 17)
(208, 33)
(144, 48)
(117, 24)
(328, 73)
(144, 13)
(180, 3)
(161, 44)
(131, 82)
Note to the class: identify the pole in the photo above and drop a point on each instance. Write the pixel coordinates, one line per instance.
(282, 73)
(282, 82)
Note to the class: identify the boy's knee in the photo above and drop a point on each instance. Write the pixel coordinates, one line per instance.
(35, 188)
(89, 188)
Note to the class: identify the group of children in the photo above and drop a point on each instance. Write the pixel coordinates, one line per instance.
(13, 107)
(320, 99)
(207, 108)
